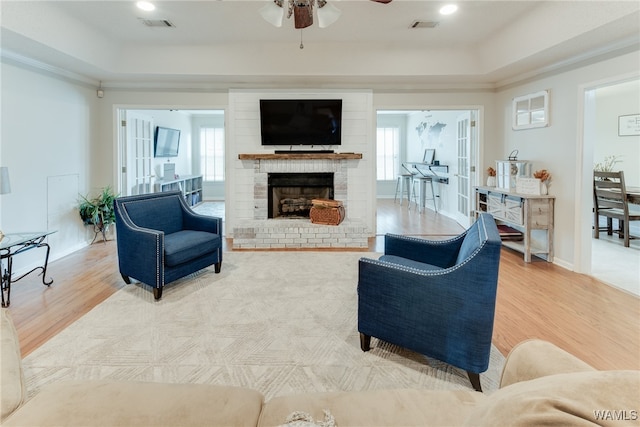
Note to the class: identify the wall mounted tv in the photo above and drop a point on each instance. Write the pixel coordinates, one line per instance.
(166, 142)
(301, 121)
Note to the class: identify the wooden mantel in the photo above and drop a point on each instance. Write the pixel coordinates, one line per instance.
(301, 156)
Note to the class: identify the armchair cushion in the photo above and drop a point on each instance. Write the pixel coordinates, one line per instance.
(186, 245)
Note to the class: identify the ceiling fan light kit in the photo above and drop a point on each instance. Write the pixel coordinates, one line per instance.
(302, 11)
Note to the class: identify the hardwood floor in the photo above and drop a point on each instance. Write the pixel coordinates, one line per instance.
(597, 323)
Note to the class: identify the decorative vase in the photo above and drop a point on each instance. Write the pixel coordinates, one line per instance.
(543, 188)
(491, 181)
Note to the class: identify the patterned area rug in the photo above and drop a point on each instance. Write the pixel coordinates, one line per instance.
(278, 322)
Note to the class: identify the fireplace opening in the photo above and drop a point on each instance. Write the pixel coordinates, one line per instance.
(290, 194)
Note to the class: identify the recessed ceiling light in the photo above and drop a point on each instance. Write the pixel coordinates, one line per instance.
(145, 5)
(448, 9)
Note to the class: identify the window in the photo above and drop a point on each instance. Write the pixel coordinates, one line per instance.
(388, 152)
(212, 153)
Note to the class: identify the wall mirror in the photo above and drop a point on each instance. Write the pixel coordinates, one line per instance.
(531, 111)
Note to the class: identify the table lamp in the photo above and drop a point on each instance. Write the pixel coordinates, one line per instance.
(5, 185)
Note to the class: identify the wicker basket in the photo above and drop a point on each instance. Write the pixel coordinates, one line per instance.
(327, 212)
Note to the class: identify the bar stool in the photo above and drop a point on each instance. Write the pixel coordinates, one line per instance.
(420, 196)
(403, 186)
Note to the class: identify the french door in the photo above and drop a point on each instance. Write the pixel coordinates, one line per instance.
(136, 153)
(466, 141)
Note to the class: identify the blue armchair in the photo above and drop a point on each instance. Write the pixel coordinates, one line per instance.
(436, 298)
(160, 239)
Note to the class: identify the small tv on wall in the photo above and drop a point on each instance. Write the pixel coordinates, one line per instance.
(166, 142)
(301, 121)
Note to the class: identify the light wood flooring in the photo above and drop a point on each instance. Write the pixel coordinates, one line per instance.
(596, 322)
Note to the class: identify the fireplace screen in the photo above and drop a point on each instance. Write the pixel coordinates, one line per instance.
(290, 194)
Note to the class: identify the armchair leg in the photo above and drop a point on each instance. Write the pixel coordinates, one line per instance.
(365, 342)
(126, 279)
(157, 293)
(475, 381)
(218, 266)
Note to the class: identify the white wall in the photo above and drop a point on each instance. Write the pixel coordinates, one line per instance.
(610, 103)
(174, 120)
(48, 126)
(243, 136)
(53, 131)
(558, 147)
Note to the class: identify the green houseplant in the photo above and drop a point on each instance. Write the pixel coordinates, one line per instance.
(98, 211)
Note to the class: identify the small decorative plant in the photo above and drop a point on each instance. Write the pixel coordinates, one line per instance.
(543, 175)
(491, 171)
(98, 211)
(607, 164)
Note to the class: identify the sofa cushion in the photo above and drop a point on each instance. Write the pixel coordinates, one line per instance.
(408, 262)
(158, 213)
(401, 407)
(186, 245)
(583, 398)
(12, 384)
(106, 403)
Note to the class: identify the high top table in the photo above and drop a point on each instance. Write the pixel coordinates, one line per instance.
(14, 244)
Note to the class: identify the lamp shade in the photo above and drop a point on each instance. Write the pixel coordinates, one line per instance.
(327, 15)
(5, 184)
(273, 13)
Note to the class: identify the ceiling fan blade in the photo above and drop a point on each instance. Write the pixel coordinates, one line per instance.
(382, 1)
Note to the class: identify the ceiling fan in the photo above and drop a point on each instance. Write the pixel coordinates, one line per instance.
(302, 11)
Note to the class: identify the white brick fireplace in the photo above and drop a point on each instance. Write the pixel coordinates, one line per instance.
(263, 232)
(352, 166)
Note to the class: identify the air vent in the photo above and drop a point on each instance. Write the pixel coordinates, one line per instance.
(158, 23)
(423, 24)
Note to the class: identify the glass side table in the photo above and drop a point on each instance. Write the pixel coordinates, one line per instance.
(14, 244)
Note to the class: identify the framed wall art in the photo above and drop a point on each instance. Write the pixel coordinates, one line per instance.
(629, 125)
(531, 111)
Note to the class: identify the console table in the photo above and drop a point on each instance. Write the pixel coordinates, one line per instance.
(528, 214)
(14, 244)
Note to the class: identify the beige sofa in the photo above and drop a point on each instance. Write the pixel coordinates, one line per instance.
(541, 385)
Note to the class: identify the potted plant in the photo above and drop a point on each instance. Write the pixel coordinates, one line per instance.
(608, 164)
(98, 211)
(491, 179)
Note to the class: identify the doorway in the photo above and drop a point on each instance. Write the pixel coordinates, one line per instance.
(605, 258)
(200, 149)
(453, 135)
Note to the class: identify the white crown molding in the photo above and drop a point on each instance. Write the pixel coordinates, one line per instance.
(11, 57)
(388, 84)
(612, 50)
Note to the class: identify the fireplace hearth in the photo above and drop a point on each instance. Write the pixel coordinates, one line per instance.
(290, 194)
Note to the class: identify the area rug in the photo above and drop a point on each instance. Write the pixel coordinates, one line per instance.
(278, 322)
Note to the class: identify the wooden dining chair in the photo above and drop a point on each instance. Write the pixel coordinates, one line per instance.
(610, 200)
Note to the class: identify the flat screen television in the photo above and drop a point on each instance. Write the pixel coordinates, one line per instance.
(166, 142)
(301, 121)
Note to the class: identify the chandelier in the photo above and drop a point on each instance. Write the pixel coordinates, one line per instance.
(302, 11)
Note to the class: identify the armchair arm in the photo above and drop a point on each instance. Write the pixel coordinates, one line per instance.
(442, 253)
(536, 358)
(140, 250)
(194, 221)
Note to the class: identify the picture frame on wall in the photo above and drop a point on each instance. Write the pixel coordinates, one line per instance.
(531, 111)
(629, 125)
